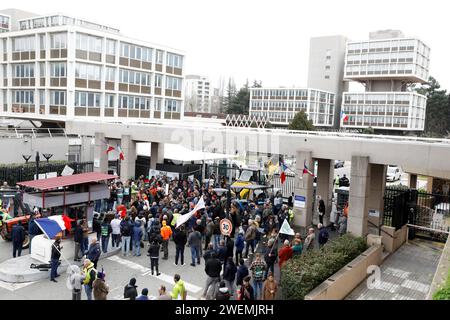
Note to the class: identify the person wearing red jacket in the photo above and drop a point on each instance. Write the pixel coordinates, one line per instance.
(284, 254)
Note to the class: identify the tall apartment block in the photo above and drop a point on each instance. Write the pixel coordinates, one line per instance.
(197, 94)
(280, 105)
(57, 67)
(326, 68)
(387, 65)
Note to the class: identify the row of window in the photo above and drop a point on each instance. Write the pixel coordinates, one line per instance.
(390, 98)
(24, 70)
(28, 43)
(89, 43)
(386, 44)
(377, 120)
(136, 52)
(134, 102)
(134, 77)
(87, 99)
(380, 109)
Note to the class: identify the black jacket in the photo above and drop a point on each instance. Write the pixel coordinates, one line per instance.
(130, 292)
(222, 295)
(96, 225)
(17, 234)
(55, 253)
(153, 250)
(78, 234)
(213, 267)
(242, 272)
(209, 254)
(250, 292)
(229, 272)
(270, 256)
(180, 238)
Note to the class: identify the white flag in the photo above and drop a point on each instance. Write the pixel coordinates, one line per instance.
(185, 217)
(286, 229)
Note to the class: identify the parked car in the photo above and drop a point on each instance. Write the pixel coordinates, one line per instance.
(393, 173)
(339, 164)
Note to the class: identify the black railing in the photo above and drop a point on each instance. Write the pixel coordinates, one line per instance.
(25, 172)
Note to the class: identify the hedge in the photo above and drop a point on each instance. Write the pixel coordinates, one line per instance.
(444, 292)
(302, 274)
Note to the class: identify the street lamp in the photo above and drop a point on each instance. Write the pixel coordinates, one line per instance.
(37, 159)
(26, 157)
(47, 156)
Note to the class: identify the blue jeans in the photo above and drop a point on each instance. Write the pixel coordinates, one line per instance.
(216, 241)
(54, 268)
(195, 254)
(137, 247)
(179, 253)
(88, 291)
(84, 245)
(105, 241)
(125, 244)
(257, 287)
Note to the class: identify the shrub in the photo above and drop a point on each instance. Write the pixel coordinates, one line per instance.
(444, 292)
(302, 274)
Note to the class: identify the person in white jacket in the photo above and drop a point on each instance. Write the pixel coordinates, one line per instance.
(115, 226)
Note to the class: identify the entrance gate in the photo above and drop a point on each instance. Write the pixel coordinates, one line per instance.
(427, 215)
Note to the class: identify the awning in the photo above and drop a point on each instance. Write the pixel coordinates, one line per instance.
(64, 181)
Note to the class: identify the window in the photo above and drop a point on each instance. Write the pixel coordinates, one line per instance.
(158, 80)
(42, 41)
(110, 47)
(172, 105)
(58, 69)
(109, 101)
(57, 98)
(110, 74)
(174, 60)
(23, 44)
(24, 70)
(159, 57)
(87, 99)
(158, 104)
(88, 71)
(134, 77)
(89, 43)
(58, 41)
(23, 96)
(173, 83)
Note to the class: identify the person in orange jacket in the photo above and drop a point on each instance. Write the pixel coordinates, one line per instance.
(166, 233)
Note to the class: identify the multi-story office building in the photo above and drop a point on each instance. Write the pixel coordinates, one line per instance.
(387, 64)
(326, 68)
(280, 105)
(197, 94)
(57, 67)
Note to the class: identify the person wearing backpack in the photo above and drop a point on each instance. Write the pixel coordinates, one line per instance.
(258, 269)
(323, 235)
(125, 232)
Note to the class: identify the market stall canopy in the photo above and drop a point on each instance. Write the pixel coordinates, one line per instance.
(65, 181)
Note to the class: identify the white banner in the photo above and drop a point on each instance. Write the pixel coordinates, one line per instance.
(185, 217)
(160, 174)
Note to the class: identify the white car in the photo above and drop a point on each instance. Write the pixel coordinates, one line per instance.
(393, 173)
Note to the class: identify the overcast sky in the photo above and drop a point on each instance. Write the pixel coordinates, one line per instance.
(260, 39)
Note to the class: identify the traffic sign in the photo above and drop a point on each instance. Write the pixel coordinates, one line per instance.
(226, 227)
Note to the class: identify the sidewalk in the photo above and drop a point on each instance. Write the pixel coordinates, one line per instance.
(17, 270)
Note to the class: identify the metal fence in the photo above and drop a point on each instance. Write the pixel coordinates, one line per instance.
(288, 187)
(426, 214)
(14, 174)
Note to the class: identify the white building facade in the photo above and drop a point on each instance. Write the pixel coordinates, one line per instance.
(387, 67)
(280, 105)
(57, 67)
(198, 94)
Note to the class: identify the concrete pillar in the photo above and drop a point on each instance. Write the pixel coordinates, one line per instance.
(156, 154)
(304, 188)
(100, 156)
(359, 196)
(325, 177)
(86, 149)
(413, 181)
(376, 193)
(128, 165)
(429, 184)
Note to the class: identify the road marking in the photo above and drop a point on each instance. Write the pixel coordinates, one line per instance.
(414, 285)
(397, 272)
(147, 272)
(14, 286)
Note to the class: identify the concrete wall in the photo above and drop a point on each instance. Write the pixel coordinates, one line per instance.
(12, 148)
(340, 284)
(442, 269)
(391, 239)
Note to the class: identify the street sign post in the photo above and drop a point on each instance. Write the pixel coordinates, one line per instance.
(226, 227)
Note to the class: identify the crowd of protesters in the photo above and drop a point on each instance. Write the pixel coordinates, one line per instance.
(143, 213)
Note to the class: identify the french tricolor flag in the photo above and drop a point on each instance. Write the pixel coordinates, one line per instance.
(53, 225)
(344, 116)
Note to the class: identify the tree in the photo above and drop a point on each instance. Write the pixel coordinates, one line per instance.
(230, 95)
(301, 122)
(437, 117)
(368, 130)
(239, 103)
